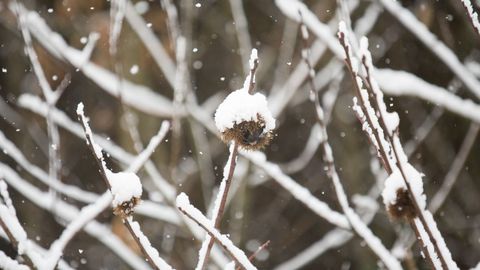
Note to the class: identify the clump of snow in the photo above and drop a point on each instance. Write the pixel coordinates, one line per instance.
(240, 106)
(393, 183)
(124, 186)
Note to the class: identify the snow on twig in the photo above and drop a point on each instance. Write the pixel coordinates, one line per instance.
(35, 105)
(147, 208)
(472, 15)
(126, 190)
(193, 213)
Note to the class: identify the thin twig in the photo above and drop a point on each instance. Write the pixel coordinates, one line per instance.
(254, 254)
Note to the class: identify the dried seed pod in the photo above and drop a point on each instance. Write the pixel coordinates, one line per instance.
(250, 135)
(245, 119)
(403, 206)
(126, 208)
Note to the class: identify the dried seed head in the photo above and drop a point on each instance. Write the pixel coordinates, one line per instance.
(403, 206)
(126, 208)
(250, 135)
(245, 119)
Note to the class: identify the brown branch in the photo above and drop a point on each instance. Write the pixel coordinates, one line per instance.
(223, 201)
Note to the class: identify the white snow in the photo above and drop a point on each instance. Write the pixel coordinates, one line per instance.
(428, 244)
(134, 69)
(124, 186)
(440, 241)
(393, 183)
(88, 132)
(240, 106)
(390, 119)
(6, 197)
(183, 203)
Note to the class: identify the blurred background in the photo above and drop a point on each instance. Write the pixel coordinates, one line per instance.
(192, 158)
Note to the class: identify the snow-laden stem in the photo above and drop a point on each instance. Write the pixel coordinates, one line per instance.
(472, 15)
(357, 225)
(219, 205)
(148, 251)
(376, 121)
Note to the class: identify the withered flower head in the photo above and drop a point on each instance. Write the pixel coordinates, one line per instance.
(245, 119)
(250, 135)
(126, 208)
(403, 206)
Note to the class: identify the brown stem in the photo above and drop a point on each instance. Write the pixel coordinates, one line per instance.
(127, 224)
(223, 201)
